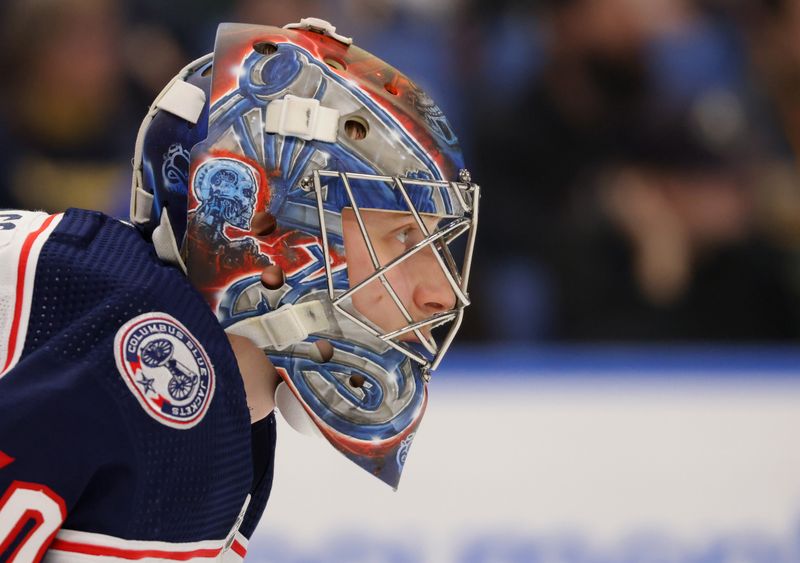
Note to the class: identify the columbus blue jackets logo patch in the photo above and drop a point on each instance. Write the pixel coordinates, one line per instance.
(166, 368)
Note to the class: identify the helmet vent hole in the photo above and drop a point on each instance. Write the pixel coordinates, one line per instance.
(336, 64)
(357, 381)
(322, 351)
(392, 89)
(265, 47)
(207, 71)
(356, 128)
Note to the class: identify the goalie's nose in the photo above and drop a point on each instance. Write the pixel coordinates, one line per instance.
(432, 291)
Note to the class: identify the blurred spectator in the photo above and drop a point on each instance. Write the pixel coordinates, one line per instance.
(668, 250)
(773, 30)
(590, 91)
(647, 99)
(64, 117)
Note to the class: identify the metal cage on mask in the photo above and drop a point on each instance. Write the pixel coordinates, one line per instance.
(466, 196)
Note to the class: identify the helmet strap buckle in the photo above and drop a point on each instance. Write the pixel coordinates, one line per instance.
(304, 118)
(319, 25)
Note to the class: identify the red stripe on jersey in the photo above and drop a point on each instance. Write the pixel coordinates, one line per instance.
(239, 549)
(5, 459)
(23, 264)
(132, 554)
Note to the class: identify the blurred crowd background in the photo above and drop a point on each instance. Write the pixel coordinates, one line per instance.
(638, 157)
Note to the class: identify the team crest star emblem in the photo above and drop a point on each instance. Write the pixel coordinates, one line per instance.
(146, 383)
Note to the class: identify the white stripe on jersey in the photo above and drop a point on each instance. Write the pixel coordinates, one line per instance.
(22, 235)
(71, 546)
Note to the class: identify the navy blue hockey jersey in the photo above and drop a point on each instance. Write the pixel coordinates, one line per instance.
(124, 430)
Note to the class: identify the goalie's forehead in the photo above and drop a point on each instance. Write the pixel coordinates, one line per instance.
(391, 218)
(374, 82)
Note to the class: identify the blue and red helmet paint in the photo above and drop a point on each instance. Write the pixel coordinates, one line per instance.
(212, 176)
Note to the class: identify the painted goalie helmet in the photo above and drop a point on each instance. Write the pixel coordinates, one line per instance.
(292, 147)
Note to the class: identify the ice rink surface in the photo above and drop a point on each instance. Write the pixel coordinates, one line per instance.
(568, 455)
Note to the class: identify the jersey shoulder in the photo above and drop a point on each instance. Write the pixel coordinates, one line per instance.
(91, 294)
(84, 273)
(117, 362)
(83, 296)
(22, 236)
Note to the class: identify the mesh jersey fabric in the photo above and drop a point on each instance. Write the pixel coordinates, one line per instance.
(70, 422)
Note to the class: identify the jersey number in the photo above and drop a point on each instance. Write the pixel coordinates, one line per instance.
(22, 504)
(7, 221)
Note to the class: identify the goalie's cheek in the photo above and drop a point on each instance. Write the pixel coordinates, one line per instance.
(376, 304)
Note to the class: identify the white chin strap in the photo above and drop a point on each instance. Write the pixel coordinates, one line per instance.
(293, 412)
(290, 324)
(287, 325)
(165, 244)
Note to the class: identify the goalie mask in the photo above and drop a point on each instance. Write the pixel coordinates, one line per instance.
(295, 148)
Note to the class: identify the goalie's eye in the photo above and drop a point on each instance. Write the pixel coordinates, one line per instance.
(409, 235)
(403, 234)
